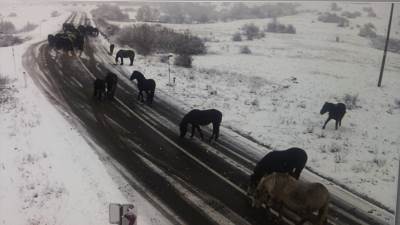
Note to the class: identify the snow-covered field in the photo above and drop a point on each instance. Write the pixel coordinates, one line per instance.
(50, 172)
(275, 94)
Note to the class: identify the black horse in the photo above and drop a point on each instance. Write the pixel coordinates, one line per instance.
(125, 54)
(111, 49)
(143, 84)
(292, 161)
(201, 117)
(336, 112)
(99, 86)
(51, 40)
(111, 84)
(62, 41)
(68, 27)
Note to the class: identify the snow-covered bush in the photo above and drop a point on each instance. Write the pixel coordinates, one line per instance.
(335, 7)
(184, 61)
(13, 14)
(147, 39)
(237, 37)
(9, 40)
(147, 14)
(351, 15)
(351, 101)
(251, 31)
(28, 27)
(333, 18)
(6, 27)
(106, 28)
(245, 50)
(370, 11)
(276, 27)
(368, 30)
(110, 12)
(379, 43)
(55, 13)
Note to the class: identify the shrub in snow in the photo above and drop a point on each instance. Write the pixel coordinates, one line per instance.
(276, 27)
(28, 27)
(147, 39)
(237, 37)
(55, 14)
(368, 30)
(164, 58)
(13, 14)
(351, 15)
(379, 43)
(251, 31)
(189, 12)
(147, 14)
(6, 27)
(335, 7)
(106, 28)
(333, 18)
(184, 61)
(351, 101)
(397, 103)
(9, 40)
(142, 38)
(110, 12)
(255, 103)
(245, 50)
(370, 11)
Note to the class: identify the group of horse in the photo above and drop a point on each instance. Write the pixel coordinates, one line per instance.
(275, 180)
(71, 38)
(105, 88)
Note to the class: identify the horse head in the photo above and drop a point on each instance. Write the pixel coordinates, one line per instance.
(325, 108)
(137, 75)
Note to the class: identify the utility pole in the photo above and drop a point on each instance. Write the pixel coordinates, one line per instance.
(169, 70)
(386, 46)
(397, 216)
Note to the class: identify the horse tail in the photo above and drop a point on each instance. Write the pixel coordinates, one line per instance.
(323, 213)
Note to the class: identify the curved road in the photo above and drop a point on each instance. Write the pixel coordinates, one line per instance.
(189, 181)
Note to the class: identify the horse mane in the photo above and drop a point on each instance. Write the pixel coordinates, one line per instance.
(138, 75)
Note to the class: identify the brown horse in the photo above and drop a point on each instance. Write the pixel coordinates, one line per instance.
(300, 196)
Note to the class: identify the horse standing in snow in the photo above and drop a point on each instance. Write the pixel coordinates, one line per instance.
(303, 197)
(99, 89)
(201, 117)
(336, 112)
(143, 84)
(111, 84)
(292, 161)
(125, 54)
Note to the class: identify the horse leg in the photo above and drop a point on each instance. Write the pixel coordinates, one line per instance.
(122, 60)
(201, 134)
(141, 96)
(217, 131)
(131, 60)
(336, 124)
(323, 127)
(193, 127)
